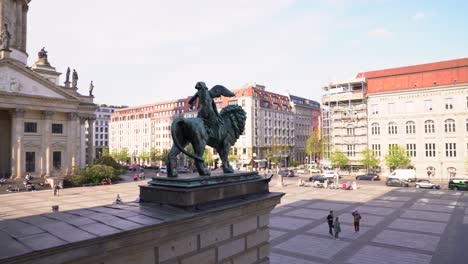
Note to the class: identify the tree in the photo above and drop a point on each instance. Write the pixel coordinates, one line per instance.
(105, 152)
(397, 158)
(163, 155)
(314, 145)
(368, 159)
(208, 157)
(144, 155)
(115, 154)
(123, 155)
(153, 154)
(338, 159)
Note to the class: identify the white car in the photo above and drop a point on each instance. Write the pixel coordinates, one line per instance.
(330, 175)
(163, 170)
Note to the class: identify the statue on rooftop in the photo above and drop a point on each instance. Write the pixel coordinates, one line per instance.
(67, 76)
(74, 79)
(91, 88)
(218, 130)
(5, 38)
(42, 54)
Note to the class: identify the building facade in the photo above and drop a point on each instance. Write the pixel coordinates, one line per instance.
(344, 120)
(423, 108)
(103, 115)
(307, 119)
(43, 132)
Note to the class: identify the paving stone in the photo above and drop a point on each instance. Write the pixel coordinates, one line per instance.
(374, 210)
(18, 229)
(296, 203)
(382, 203)
(437, 201)
(373, 255)
(275, 233)
(366, 219)
(9, 247)
(422, 215)
(99, 229)
(395, 198)
(71, 219)
(347, 231)
(416, 225)
(433, 207)
(41, 241)
(308, 213)
(313, 246)
(279, 209)
(282, 259)
(287, 222)
(465, 220)
(67, 232)
(328, 206)
(406, 239)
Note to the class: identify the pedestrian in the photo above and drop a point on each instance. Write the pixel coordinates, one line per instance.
(357, 219)
(330, 223)
(118, 199)
(56, 190)
(337, 227)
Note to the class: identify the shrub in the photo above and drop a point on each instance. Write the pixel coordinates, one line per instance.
(294, 163)
(109, 161)
(94, 175)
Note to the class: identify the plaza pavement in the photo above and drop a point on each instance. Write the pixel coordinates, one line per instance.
(399, 225)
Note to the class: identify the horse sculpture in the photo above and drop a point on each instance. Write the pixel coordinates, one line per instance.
(218, 130)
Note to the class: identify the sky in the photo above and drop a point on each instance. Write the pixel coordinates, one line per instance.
(147, 51)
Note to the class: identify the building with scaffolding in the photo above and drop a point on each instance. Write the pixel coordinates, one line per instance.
(344, 115)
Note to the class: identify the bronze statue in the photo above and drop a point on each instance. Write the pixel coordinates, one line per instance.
(5, 38)
(218, 130)
(74, 79)
(91, 88)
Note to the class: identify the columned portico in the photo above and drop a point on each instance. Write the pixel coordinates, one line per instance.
(46, 143)
(90, 146)
(17, 133)
(82, 143)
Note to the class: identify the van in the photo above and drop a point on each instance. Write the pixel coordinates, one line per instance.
(458, 184)
(403, 174)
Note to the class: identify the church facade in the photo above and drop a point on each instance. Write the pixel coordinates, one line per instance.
(42, 123)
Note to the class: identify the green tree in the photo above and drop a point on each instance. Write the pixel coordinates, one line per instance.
(105, 152)
(338, 159)
(153, 154)
(314, 145)
(123, 155)
(368, 159)
(163, 155)
(208, 157)
(109, 161)
(144, 155)
(397, 158)
(115, 154)
(94, 175)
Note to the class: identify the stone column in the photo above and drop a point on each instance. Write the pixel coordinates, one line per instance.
(71, 143)
(82, 143)
(90, 141)
(17, 133)
(46, 142)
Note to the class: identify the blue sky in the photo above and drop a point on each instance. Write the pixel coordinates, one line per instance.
(140, 52)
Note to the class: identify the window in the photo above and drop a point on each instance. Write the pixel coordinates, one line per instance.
(410, 127)
(392, 148)
(427, 105)
(30, 127)
(375, 129)
(452, 172)
(409, 107)
(376, 150)
(30, 161)
(266, 104)
(411, 150)
(448, 103)
(450, 150)
(57, 128)
(429, 126)
(430, 149)
(375, 109)
(449, 125)
(351, 150)
(350, 130)
(392, 128)
(243, 102)
(391, 108)
(232, 102)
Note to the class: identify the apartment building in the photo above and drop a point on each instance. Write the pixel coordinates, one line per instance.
(423, 108)
(344, 116)
(103, 115)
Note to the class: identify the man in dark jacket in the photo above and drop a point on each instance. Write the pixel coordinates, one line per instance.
(330, 223)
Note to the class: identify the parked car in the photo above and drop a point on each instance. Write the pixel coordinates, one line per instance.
(314, 170)
(396, 182)
(287, 173)
(318, 178)
(331, 175)
(163, 169)
(426, 184)
(403, 174)
(458, 184)
(182, 170)
(368, 177)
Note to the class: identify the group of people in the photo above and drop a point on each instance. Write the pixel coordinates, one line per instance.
(334, 225)
(106, 181)
(11, 189)
(330, 184)
(139, 176)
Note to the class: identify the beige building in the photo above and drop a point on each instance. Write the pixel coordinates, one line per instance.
(423, 108)
(42, 122)
(344, 122)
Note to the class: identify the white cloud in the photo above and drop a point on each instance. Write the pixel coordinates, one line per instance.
(380, 33)
(420, 15)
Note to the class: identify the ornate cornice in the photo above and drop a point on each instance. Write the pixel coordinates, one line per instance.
(72, 116)
(47, 114)
(17, 112)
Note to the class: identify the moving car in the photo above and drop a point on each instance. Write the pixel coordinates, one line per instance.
(458, 184)
(368, 177)
(318, 178)
(287, 173)
(427, 184)
(396, 182)
(403, 174)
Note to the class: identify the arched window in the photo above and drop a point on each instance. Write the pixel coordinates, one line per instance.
(449, 125)
(375, 128)
(452, 172)
(430, 171)
(392, 128)
(429, 126)
(410, 127)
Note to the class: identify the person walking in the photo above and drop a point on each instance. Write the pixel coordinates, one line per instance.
(357, 219)
(330, 223)
(337, 227)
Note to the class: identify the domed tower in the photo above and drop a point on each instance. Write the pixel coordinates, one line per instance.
(13, 24)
